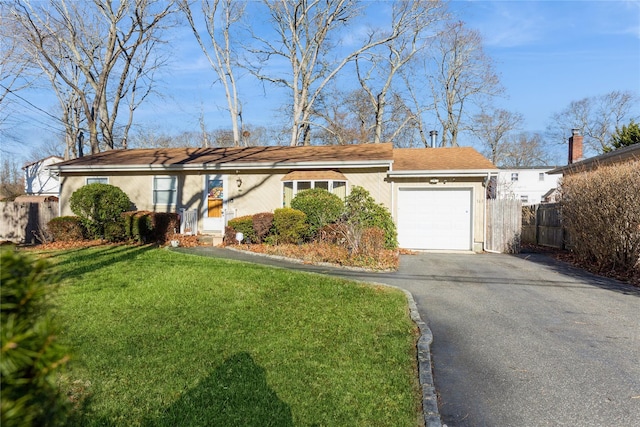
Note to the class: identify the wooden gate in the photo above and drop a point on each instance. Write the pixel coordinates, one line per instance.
(543, 225)
(504, 225)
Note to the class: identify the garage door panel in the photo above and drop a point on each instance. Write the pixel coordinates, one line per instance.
(434, 219)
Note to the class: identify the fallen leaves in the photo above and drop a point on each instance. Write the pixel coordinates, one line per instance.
(314, 253)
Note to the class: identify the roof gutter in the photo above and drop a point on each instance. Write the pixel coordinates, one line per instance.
(232, 166)
(471, 173)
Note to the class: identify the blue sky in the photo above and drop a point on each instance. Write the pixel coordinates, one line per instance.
(547, 53)
(550, 53)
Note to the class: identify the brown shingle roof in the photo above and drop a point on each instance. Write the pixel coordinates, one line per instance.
(454, 158)
(314, 176)
(212, 156)
(405, 159)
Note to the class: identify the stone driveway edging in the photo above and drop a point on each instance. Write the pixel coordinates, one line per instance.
(430, 410)
(425, 369)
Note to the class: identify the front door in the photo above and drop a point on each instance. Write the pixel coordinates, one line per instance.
(215, 201)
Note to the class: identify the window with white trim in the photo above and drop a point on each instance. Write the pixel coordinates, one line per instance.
(541, 176)
(514, 176)
(97, 180)
(292, 188)
(165, 189)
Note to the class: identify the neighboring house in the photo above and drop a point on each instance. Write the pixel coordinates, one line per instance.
(551, 196)
(529, 185)
(435, 195)
(37, 179)
(579, 165)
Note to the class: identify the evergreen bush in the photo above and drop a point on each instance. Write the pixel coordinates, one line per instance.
(362, 212)
(290, 225)
(98, 205)
(138, 225)
(31, 355)
(244, 225)
(320, 206)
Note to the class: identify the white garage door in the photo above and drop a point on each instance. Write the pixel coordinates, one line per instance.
(434, 219)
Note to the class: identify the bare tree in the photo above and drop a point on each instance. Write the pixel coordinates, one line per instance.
(349, 118)
(13, 60)
(112, 49)
(219, 17)
(462, 75)
(416, 96)
(11, 179)
(412, 22)
(151, 137)
(305, 39)
(14, 64)
(524, 150)
(597, 117)
(492, 128)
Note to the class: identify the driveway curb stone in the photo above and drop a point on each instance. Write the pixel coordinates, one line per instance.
(425, 371)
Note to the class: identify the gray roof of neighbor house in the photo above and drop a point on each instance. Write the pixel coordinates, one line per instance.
(220, 158)
(625, 154)
(399, 161)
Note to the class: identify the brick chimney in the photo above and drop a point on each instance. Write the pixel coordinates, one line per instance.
(575, 146)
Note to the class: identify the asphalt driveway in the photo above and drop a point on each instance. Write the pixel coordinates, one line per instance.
(519, 340)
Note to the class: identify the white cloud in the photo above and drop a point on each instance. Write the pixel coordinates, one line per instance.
(503, 24)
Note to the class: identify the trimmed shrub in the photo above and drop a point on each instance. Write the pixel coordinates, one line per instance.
(98, 205)
(31, 355)
(601, 212)
(244, 225)
(138, 225)
(362, 212)
(66, 229)
(164, 225)
(148, 227)
(320, 206)
(262, 225)
(290, 225)
(114, 231)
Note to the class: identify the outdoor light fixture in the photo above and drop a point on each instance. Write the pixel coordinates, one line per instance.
(433, 181)
(239, 182)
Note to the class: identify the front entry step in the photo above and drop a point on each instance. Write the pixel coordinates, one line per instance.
(210, 239)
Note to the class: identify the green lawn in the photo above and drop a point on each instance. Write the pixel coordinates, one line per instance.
(162, 338)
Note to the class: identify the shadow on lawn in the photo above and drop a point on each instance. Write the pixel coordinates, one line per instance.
(80, 261)
(235, 394)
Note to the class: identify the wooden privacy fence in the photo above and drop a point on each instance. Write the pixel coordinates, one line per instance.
(24, 222)
(542, 225)
(504, 224)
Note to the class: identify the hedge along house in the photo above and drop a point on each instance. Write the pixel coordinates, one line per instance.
(436, 195)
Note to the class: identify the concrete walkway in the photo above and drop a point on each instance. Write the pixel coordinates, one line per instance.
(518, 340)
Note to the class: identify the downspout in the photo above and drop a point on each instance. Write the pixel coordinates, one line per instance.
(393, 196)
